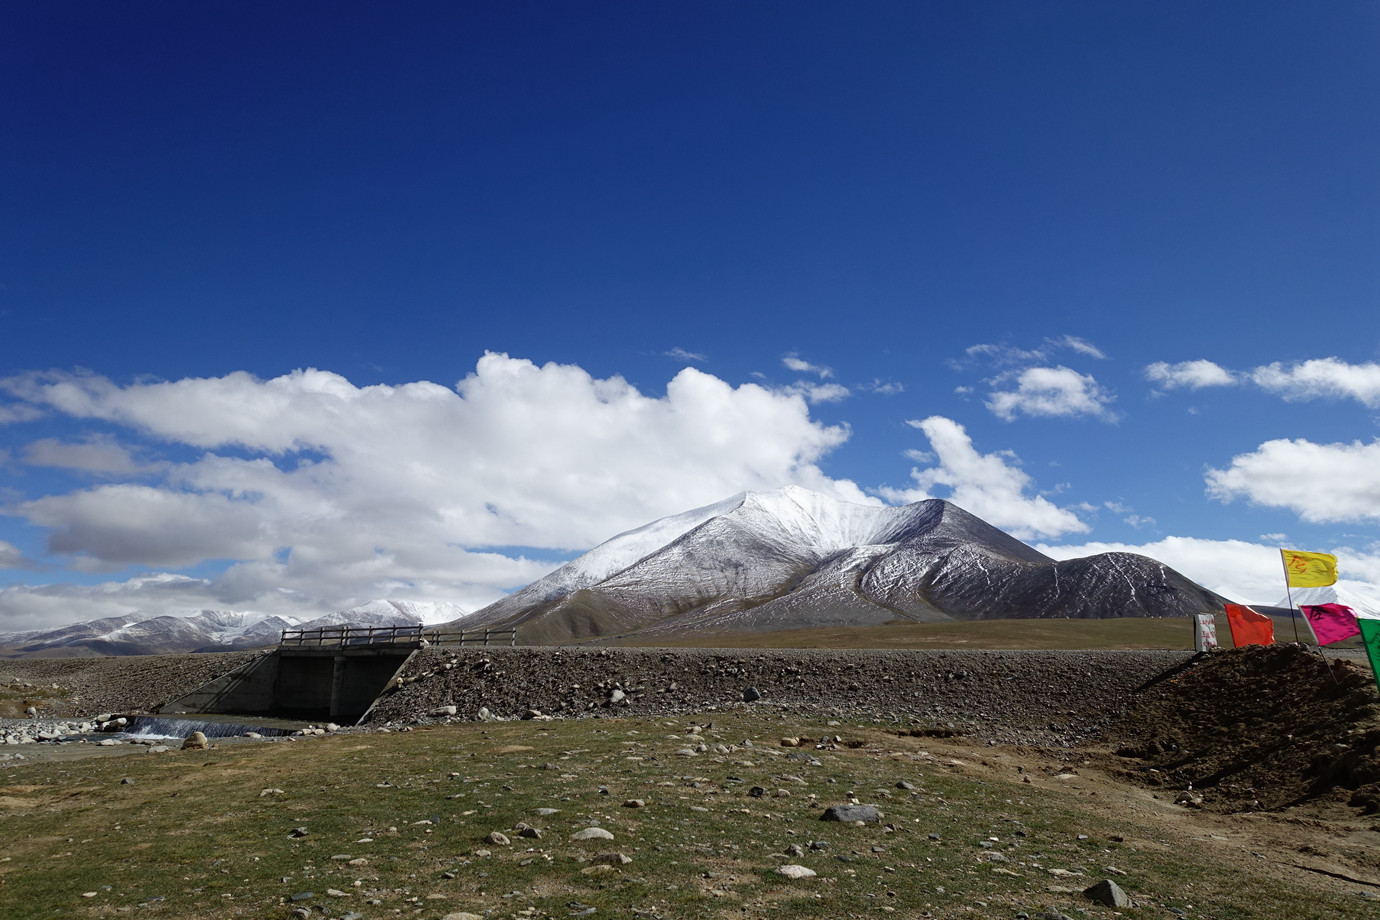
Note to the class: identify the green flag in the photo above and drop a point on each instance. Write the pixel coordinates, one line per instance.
(1370, 634)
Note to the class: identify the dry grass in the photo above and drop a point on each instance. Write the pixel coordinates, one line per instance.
(195, 835)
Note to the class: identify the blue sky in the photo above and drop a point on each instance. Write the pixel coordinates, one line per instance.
(307, 304)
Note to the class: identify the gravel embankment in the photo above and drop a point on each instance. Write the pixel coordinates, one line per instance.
(129, 684)
(1039, 697)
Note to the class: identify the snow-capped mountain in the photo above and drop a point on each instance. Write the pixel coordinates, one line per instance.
(1360, 596)
(206, 630)
(796, 558)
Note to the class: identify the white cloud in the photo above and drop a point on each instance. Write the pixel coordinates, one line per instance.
(1007, 355)
(11, 557)
(1322, 378)
(794, 362)
(1082, 346)
(101, 455)
(19, 412)
(1192, 375)
(680, 354)
(820, 392)
(124, 524)
(1319, 482)
(323, 494)
(990, 486)
(1058, 392)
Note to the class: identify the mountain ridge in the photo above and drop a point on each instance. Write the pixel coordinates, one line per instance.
(203, 631)
(793, 559)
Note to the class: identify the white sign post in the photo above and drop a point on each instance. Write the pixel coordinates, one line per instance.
(1205, 637)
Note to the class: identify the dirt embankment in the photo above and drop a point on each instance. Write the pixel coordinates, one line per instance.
(1045, 697)
(1257, 728)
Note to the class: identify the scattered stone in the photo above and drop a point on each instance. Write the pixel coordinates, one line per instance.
(751, 695)
(592, 833)
(794, 871)
(498, 839)
(531, 833)
(462, 915)
(635, 803)
(613, 859)
(442, 711)
(271, 792)
(546, 812)
(867, 814)
(1108, 893)
(298, 832)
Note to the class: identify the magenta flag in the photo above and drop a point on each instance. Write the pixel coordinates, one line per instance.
(1331, 622)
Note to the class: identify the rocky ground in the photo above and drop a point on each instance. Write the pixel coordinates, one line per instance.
(1044, 697)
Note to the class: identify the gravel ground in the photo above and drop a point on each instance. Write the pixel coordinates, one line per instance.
(1040, 697)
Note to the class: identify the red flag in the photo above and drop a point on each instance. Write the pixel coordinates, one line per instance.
(1249, 627)
(1331, 622)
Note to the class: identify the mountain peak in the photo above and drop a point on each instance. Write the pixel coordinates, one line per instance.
(793, 558)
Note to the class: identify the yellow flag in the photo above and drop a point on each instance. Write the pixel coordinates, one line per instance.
(1309, 570)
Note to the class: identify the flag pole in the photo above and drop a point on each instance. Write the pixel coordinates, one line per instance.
(1289, 593)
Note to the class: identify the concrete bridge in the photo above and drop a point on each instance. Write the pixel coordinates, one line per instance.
(335, 673)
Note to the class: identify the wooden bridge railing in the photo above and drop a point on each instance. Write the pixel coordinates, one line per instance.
(403, 636)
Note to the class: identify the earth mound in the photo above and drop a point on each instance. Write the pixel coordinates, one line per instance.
(1257, 728)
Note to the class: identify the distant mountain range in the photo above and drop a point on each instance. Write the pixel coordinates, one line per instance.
(795, 559)
(205, 631)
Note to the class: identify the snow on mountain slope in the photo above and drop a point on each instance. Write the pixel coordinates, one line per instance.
(612, 556)
(796, 558)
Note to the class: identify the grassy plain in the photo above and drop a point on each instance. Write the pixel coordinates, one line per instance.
(394, 825)
(1123, 633)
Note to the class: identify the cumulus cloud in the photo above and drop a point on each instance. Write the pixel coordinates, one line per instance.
(1322, 378)
(319, 494)
(1318, 482)
(1051, 392)
(1318, 378)
(1190, 375)
(990, 486)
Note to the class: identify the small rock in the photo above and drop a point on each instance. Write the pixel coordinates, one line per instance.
(794, 871)
(498, 839)
(592, 833)
(462, 915)
(441, 712)
(751, 695)
(613, 859)
(271, 792)
(635, 803)
(1109, 893)
(868, 814)
(531, 833)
